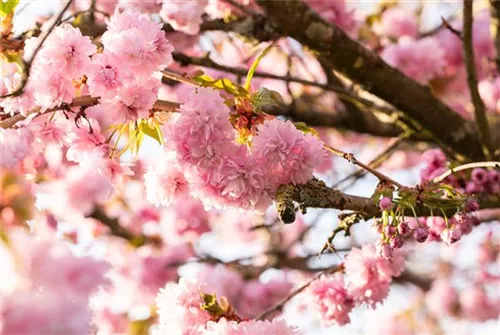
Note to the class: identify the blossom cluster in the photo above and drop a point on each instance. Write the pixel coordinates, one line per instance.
(218, 170)
(368, 277)
(181, 311)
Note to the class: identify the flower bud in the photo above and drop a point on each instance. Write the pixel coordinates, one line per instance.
(420, 235)
(385, 203)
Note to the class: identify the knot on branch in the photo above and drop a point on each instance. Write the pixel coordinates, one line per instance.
(314, 193)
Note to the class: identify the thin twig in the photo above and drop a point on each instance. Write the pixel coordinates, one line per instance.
(283, 301)
(470, 64)
(442, 176)
(341, 91)
(352, 159)
(375, 162)
(27, 64)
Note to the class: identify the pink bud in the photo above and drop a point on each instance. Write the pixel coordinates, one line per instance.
(450, 236)
(396, 242)
(389, 230)
(384, 250)
(385, 203)
(403, 228)
(420, 234)
(479, 176)
(471, 205)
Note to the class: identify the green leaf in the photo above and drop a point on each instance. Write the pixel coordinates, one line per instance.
(303, 127)
(8, 7)
(221, 84)
(255, 63)
(152, 131)
(265, 97)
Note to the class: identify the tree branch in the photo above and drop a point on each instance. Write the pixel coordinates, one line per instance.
(84, 101)
(363, 66)
(315, 194)
(470, 65)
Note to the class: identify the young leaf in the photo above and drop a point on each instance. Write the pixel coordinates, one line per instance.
(8, 7)
(255, 63)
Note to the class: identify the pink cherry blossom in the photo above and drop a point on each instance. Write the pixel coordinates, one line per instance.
(156, 271)
(331, 300)
(134, 100)
(137, 42)
(164, 182)
(251, 327)
(476, 305)
(442, 299)
(369, 275)
(397, 22)
(184, 16)
(289, 155)
(185, 220)
(79, 191)
(336, 12)
(15, 146)
(67, 51)
(414, 59)
(104, 75)
(179, 308)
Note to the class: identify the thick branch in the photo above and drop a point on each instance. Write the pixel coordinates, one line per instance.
(470, 64)
(363, 66)
(315, 194)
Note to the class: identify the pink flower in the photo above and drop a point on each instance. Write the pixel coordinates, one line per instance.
(106, 6)
(442, 299)
(477, 306)
(133, 101)
(336, 12)
(289, 155)
(200, 130)
(385, 204)
(490, 92)
(137, 42)
(420, 235)
(414, 59)
(105, 76)
(15, 146)
(164, 183)
(331, 300)
(369, 275)
(479, 176)
(157, 271)
(79, 191)
(451, 235)
(149, 6)
(222, 281)
(186, 221)
(184, 16)
(251, 327)
(256, 296)
(51, 88)
(66, 51)
(179, 308)
(398, 22)
(75, 276)
(243, 183)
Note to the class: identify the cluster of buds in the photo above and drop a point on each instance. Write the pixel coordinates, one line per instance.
(395, 227)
